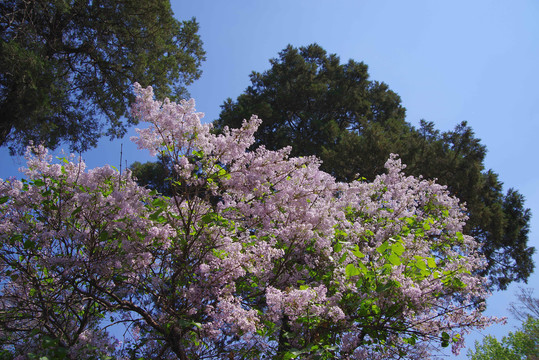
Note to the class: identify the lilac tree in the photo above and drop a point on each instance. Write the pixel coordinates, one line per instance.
(256, 255)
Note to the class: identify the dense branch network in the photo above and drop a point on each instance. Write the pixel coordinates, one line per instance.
(255, 254)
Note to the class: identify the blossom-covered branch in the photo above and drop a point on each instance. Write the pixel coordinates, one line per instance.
(256, 254)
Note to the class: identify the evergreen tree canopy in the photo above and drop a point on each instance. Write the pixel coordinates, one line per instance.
(312, 102)
(154, 175)
(67, 67)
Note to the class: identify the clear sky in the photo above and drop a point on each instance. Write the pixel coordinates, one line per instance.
(448, 60)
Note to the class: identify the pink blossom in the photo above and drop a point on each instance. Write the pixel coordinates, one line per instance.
(253, 245)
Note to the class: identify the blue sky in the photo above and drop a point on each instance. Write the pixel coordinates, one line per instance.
(449, 61)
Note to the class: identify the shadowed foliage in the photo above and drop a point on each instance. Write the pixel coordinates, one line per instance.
(309, 100)
(67, 67)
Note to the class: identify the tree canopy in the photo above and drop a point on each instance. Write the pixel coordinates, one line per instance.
(522, 344)
(67, 67)
(255, 254)
(312, 102)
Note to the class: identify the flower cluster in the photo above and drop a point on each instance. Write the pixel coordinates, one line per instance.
(255, 254)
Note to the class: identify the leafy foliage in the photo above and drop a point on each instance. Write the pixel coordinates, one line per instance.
(67, 65)
(520, 345)
(254, 255)
(312, 102)
(155, 175)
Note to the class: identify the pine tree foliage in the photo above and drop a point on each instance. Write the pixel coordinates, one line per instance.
(312, 102)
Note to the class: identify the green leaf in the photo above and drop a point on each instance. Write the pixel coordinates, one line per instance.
(15, 238)
(397, 248)
(411, 340)
(208, 218)
(420, 264)
(38, 182)
(410, 221)
(155, 215)
(394, 259)
(362, 267)
(29, 245)
(445, 339)
(351, 270)
(159, 202)
(382, 247)
(76, 211)
(357, 253)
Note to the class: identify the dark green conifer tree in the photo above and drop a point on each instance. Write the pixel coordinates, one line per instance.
(312, 102)
(67, 67)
